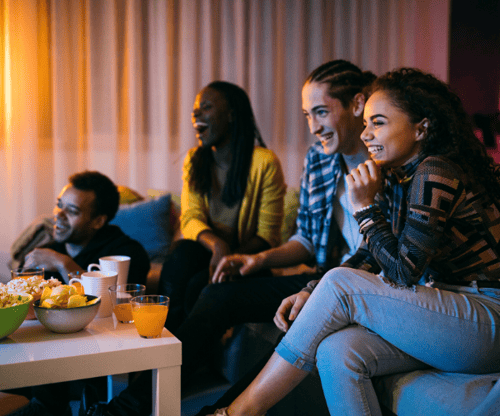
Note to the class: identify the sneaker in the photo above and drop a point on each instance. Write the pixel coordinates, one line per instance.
(37, 408)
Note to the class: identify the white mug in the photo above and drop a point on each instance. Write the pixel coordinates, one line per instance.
(97, 284)
(119, 264)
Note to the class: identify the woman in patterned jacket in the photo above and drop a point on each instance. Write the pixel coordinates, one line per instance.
(427, 206)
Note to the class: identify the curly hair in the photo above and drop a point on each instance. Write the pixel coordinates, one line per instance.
(244, 134)
(421, 95)
(107, 197)
(344, 80)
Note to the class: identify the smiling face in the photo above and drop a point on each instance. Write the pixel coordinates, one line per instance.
(337, 127)
(211, 118)
(390, 136)
(75, 222)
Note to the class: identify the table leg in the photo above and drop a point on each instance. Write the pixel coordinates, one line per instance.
(167, 391)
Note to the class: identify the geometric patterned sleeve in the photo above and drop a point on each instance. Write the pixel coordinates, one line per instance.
(437, 223)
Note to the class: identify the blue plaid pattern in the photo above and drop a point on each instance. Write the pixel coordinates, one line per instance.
(316, 225)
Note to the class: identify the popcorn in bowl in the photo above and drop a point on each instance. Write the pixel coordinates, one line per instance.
(32, 285)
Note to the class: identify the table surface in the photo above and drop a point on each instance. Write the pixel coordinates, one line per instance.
(33, 355)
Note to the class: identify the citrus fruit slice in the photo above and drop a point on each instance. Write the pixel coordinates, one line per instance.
(79, 288)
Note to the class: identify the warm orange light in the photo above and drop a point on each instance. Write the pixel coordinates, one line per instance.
(7, 78)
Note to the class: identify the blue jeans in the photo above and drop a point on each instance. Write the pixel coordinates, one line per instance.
(356, 326)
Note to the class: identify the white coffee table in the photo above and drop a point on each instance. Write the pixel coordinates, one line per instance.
(33, 355)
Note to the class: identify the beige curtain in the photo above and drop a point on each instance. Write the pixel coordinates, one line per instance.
(109, 84)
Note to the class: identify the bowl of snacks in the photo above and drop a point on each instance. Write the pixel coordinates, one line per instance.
(63, 309)
(33, 285)
(13, 310)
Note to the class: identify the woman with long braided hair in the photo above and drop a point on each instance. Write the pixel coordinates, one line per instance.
(232, 196)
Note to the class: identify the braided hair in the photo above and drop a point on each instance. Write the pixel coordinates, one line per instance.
(421, 95)
(244, 133)
(344, 80)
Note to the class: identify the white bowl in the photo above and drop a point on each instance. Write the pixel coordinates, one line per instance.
(66, 321)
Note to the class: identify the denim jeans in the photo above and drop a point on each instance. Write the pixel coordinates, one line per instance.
(356, 325)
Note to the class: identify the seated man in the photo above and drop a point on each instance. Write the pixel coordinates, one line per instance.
(82, 232)
(82, 235)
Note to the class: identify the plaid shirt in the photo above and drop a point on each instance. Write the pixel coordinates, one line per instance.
(317, 229)
(432, 225)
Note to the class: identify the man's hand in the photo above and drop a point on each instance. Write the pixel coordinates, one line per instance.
(236, 264)
(289, 309)
(51, 261)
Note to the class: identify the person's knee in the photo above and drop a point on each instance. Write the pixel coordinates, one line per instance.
(220, 293)
(182, 250)
(342, 352)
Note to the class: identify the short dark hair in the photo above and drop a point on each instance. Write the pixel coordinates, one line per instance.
(107, 197)
(344, 80)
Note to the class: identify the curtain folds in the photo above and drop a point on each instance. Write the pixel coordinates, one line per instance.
(109, 85)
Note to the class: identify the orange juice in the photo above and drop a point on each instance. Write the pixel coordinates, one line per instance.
(149, 319)
(123, 312)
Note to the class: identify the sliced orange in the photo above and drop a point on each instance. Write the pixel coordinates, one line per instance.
(79, 288)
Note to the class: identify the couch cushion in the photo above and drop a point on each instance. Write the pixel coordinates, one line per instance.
(148, 222)
(432, 392)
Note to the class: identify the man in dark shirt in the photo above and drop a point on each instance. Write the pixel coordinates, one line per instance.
(82, 233)
(81, 236)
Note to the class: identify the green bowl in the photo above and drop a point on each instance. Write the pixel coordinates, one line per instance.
(12, 317)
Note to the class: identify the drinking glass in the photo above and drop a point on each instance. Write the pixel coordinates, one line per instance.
(150, 313)
(27, 272)
(121, 296)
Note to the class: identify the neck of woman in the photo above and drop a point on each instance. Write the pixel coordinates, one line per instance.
(222, 155)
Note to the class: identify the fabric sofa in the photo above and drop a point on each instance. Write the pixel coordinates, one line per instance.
(153, 221)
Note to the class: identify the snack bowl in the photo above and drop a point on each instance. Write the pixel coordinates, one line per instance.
(11, 317)
(67, 320)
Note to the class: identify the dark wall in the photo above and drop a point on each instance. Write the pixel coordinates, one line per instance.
(475, 54)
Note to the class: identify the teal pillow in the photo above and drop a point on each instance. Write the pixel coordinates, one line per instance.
(148, 222)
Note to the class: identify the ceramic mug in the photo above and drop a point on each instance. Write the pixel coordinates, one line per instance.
(119, 264)
(97, 284)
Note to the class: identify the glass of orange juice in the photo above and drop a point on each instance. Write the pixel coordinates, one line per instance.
(150, 313)
(120, 298)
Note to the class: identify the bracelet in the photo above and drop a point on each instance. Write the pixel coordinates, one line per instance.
(364, 209)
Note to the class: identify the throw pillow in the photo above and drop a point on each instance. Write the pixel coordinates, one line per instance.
(128, 196)
(148, 222)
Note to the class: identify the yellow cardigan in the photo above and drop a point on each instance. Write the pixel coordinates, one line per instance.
(261, 211)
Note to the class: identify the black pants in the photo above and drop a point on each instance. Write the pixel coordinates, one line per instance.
(218, 308)
(183, 276)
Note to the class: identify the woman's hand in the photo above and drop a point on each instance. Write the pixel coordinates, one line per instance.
(289, 309)
(235, 264)
(364, 182)
(219, 251)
